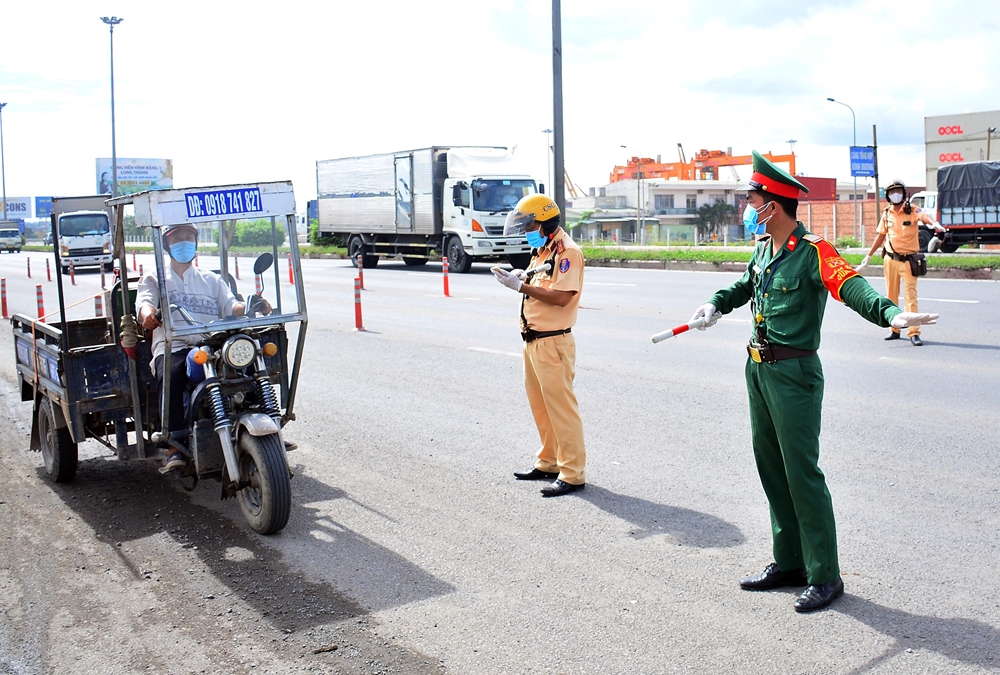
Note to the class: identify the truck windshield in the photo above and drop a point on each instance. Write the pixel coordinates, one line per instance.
(499, 195)
(83, 224)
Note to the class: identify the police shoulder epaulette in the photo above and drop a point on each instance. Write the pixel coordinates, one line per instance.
(560, 246)
(814, 238)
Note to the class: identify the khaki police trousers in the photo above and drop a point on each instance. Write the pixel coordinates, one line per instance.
(549, 369)
(786, 401)
(894, 271)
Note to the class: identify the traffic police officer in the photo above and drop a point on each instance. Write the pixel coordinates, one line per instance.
(786, 283)
(548, 312)
(899, 229)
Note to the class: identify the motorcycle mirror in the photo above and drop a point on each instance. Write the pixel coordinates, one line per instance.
(263, 263)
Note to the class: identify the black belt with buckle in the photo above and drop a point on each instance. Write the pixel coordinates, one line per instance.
(532, 335)
(899, 257)
(774, 353)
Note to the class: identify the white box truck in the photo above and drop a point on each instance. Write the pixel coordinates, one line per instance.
(84, 228)
(452, 200)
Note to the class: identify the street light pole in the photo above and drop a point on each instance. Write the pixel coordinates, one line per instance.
(854, 123)
(639, 230)
(3, 168)
(791, 146)
(113, 21)
(548, 157)
(989, 137)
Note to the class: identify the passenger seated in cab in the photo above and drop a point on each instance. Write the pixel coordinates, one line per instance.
(206, 297)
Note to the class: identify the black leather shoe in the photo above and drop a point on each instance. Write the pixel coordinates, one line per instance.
(772, 577)
(535, 474)
(917, 342)
(560, 488)
(817, 597)
(893, 335)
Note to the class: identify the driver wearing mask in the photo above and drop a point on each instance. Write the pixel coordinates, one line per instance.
(204, 295)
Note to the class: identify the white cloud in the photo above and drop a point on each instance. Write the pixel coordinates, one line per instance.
(259, 91)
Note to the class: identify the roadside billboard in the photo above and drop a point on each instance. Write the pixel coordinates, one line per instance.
(135, 175)
(18, 208)
(964, 137)
(43, 207)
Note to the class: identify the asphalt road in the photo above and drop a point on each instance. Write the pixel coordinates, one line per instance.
(406, 510)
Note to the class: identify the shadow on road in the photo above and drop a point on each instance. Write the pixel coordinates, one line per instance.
(966, 640)
(128, 501)
(962, 345)
(689, 528)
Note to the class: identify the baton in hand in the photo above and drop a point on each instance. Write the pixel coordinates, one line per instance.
(684, 327)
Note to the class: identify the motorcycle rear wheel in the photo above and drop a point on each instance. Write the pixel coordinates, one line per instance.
(267, 502)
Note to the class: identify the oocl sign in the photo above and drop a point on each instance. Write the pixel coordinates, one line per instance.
(953, 130)
(950, 157)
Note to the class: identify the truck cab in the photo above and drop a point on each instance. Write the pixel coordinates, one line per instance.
(83, 229)
(475, 217)
(926, 201)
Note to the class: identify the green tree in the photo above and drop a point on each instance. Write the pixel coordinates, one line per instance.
(256, 233)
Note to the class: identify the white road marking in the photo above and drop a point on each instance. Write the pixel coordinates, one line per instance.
(965, 302)
(598, 283)
(735, 320)
(494, 351)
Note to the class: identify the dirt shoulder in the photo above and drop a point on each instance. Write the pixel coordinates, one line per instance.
(122, 572)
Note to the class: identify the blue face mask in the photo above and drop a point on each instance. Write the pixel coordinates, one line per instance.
(750, 222)
(183, 251)
(536, 239)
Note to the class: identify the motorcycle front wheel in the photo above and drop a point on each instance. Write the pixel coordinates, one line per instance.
(267, 501)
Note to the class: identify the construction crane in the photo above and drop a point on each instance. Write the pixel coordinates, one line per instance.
(574, 190)
(704, 165)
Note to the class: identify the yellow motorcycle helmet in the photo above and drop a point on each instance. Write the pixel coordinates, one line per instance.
(531, 208)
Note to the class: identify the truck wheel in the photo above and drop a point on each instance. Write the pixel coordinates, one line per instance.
(949, 248)
(59, 452)
(519, 261)
(924, 238)
(109, 267)
(458, 261)
(355, 246)
(267, 501)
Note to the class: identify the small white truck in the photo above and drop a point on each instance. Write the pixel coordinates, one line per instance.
(84, 228)
(452, 200)
(10, 236)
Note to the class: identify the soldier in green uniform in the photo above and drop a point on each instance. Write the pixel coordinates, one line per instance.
(786, 283)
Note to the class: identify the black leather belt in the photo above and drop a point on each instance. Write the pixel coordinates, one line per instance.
(532, 335)
(898, 257)
(773, 353)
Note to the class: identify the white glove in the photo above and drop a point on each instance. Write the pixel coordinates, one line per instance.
(906, 319)
(939, 228)
(706, 311)
(864, 263)
(519, 274)
(507, 279)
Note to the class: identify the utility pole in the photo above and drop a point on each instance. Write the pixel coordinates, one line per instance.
(113, 21)
(854, 123)
(791, 146)
(558, 188)
(3, 168)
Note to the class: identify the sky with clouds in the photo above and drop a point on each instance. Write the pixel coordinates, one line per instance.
(252, 91)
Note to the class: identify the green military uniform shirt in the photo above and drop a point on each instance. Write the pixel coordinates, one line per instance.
(789, 290)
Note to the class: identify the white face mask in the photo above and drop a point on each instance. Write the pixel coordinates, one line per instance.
(896, 198)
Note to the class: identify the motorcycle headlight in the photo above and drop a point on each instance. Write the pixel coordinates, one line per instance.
(239, 351)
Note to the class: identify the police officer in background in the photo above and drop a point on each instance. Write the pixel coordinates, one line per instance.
(549, 304)
(899, 229)
(787, 281)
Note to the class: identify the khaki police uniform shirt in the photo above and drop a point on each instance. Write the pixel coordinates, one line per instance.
(566, 275)
(902, 230)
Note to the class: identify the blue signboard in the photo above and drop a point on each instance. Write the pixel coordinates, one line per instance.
(43, 207)
(862, 161)
(223, 203)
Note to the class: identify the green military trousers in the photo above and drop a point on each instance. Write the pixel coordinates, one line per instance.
(786, 401)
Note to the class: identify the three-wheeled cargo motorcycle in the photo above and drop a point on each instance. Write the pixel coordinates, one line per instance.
(91, 378)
